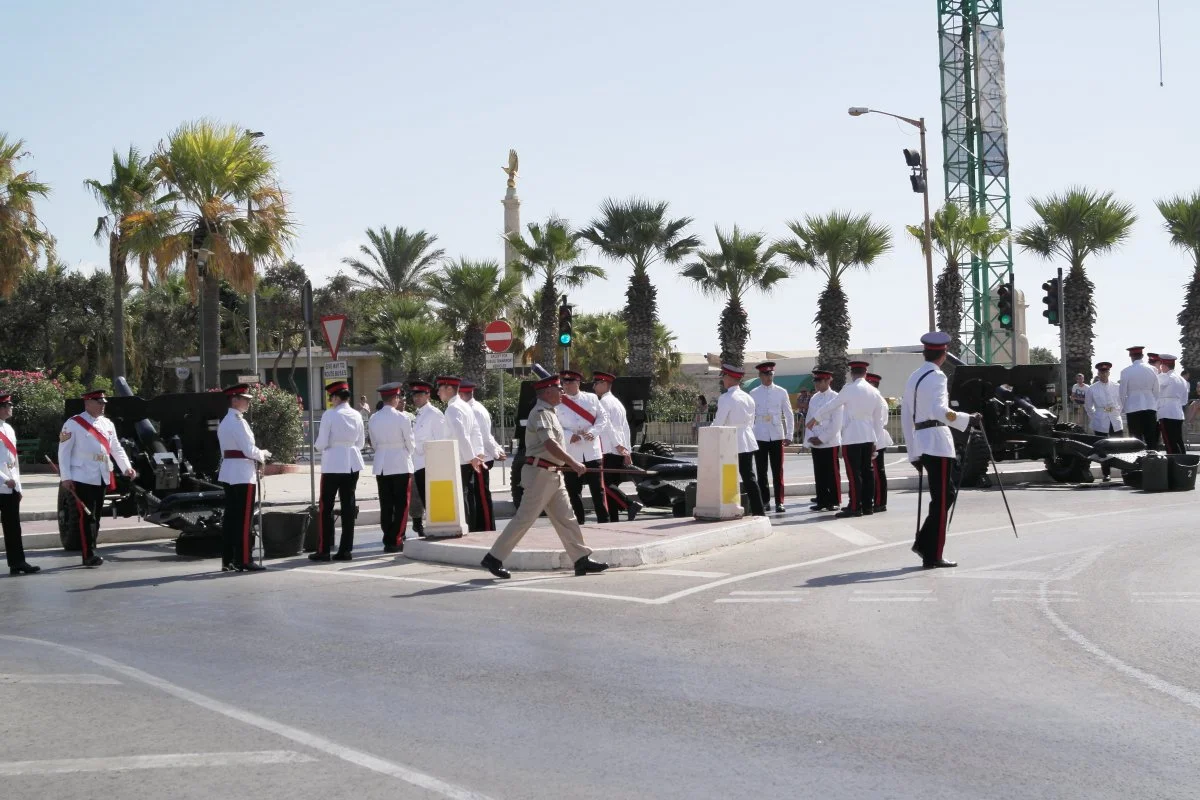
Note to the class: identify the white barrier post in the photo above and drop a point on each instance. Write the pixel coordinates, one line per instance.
(445, 515)
(718, 492)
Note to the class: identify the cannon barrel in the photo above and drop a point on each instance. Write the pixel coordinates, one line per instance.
(147, 435)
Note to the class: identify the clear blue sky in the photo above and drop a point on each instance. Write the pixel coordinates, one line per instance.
(401, 113)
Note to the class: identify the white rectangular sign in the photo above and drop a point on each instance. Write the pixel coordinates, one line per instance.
(248, 379)
(499, 360)
(336, 370)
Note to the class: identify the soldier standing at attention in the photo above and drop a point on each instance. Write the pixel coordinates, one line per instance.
(859, 403)
(773, 421)
(616, 443)
(429, 424)
(882, 442)
(10, 494)
(1172, 398)
(461, 426)
(735, 409)
(240, 462)
(1139, 398)
(340, 441)
(927, 419)
(493, 451)
(392, 436)
(87, 446)
(825, 440)
(546, 458)
(1103, 406)
(583, 418)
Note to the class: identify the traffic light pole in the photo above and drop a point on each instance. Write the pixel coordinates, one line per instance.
(1062, 347)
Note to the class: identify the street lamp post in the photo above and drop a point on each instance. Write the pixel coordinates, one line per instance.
(858, 111)
(254, 287)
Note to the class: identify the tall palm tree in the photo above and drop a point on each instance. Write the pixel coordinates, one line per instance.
(214, 172)
(667, 358)
(406, 333)
(551, 255)
(958, 233)
(741, 263)
(640, 232)
(397, 261)
(1074, 226)
(833, 245)
(472, 294)
(129, 193)
(602, 342)
(1182, 221)
(22, 237)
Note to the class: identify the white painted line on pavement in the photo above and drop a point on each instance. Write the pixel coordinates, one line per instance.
(896, 599)
(303, 737)
(1168, 600)
(1170, 594)
(849, 534)
(780, 592)
(87, 680)
(893, 591)
(163, 761)
(1034, 592)
(685, 573)
(760, 600)
(1034, 599)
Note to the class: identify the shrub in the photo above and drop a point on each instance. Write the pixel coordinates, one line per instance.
(274, 417)
(676, 403)
(38, 403)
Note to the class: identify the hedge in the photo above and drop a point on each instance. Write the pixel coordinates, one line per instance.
(38, 403)
(275, 418)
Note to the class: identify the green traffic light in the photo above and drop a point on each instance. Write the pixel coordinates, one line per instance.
(1005, 320)
(564, 339)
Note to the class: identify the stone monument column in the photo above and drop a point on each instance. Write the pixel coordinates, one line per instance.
(512, 211)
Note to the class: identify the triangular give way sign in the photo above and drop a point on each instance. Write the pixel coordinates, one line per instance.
(334, 326)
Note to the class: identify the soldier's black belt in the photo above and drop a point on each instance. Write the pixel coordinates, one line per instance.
(930, 423)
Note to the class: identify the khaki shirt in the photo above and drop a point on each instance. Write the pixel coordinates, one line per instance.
(541, 427)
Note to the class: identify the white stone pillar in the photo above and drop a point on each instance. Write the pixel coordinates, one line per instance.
(718, 492)
(512, 224)
(445, 515)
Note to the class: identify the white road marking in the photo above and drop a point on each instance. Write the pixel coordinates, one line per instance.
(88, 680)
(302, 737)
(163, 761)
(685, 573)
(849, 534)
(1168, 594)
(780, 592)
(760, 600)
(1034, 592)
(893, 591)
(894, 599)
(1167, 600)
(1034, 599)
(1062, 572)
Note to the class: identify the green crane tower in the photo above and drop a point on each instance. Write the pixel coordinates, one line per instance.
(975, 153)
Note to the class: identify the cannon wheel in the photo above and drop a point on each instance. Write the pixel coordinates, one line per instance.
(973, 461)
(1069, 469)
(657, 449)
(68, 521)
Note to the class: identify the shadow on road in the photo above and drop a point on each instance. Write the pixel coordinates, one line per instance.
(874, 576)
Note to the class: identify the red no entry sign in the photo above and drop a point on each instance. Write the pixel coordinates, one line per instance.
(498, 336)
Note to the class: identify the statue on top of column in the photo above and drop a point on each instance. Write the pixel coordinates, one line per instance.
(511, 169)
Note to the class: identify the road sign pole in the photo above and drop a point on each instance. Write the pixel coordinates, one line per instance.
(1062, 346)
(503, 472)
(312, 427)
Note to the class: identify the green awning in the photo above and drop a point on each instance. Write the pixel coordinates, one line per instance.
(793, 383)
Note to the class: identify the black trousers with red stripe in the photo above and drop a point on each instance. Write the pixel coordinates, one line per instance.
(618, 501)
(880, 479)
(826, 474)
(92, 497)
(750, 485)
(337, 486)
(1172, 435)
(1144, 425)
(237, 536)
(482, 516)
(860, 475)
(770, 453)
(395, 495)
(10, 520)
(575, 485)
(939, 477)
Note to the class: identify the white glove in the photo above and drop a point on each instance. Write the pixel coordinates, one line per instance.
(266, 454)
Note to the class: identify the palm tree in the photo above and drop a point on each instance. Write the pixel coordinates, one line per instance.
(213, 173)
(741, 262)
(472, 294)
(602, 342)
(1182, 218)
(667, 359)
(407, 334)
(552, 255)
(640, 232)
(128, 194)
(399, 261)
(833, 245)
(958, 233)
(1076, 225)
(21, 236)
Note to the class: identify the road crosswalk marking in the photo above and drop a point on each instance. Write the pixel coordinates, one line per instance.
(686, 573)
(88, 680)
(848, 533)
(159, 761)
(893, 596)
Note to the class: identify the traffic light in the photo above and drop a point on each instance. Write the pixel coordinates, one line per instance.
(1052, 288)
(1004, 306)
(564, 324)
(913, 159)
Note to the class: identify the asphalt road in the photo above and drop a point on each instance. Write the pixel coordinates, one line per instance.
(821, 662)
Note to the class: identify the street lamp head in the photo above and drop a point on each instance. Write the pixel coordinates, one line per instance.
(858, 111)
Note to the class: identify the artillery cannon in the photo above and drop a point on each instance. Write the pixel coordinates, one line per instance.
(177, 461)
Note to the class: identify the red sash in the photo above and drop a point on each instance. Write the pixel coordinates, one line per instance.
(8, 443)
(103, 440)
(578, 409)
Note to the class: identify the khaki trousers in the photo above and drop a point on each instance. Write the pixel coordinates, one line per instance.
(544, 491)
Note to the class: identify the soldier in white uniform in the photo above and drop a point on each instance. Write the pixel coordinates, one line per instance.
(341, 442)
(883, 441)
(10, 494)
(859, 403)
(1172, 399)
(927, 419)
(773, 427)
(1103, 406)
(392, 436)
(735, 409)
(617, 445)
(1139, 398)
(542, 477)
(429, 424)
(825, 441)
(583, 418)
(493, 451)
(462, 427)
(87, 448)
(240, 462)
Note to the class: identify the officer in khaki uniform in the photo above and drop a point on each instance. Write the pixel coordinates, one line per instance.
(542, 477)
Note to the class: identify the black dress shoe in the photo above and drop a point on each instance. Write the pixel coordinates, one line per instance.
(845, 514)
(318, 556)
(634, 508)
(228, 566)
(916, 550)
(866, 512)
(821, 508)
(779, 509)
(343, 557)
(495, 566)
(94, 561)
(585, 565)
(250, 567)
(27, 569)
(880, 509)
(939, 564)
(419, 526)
(393, 548)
